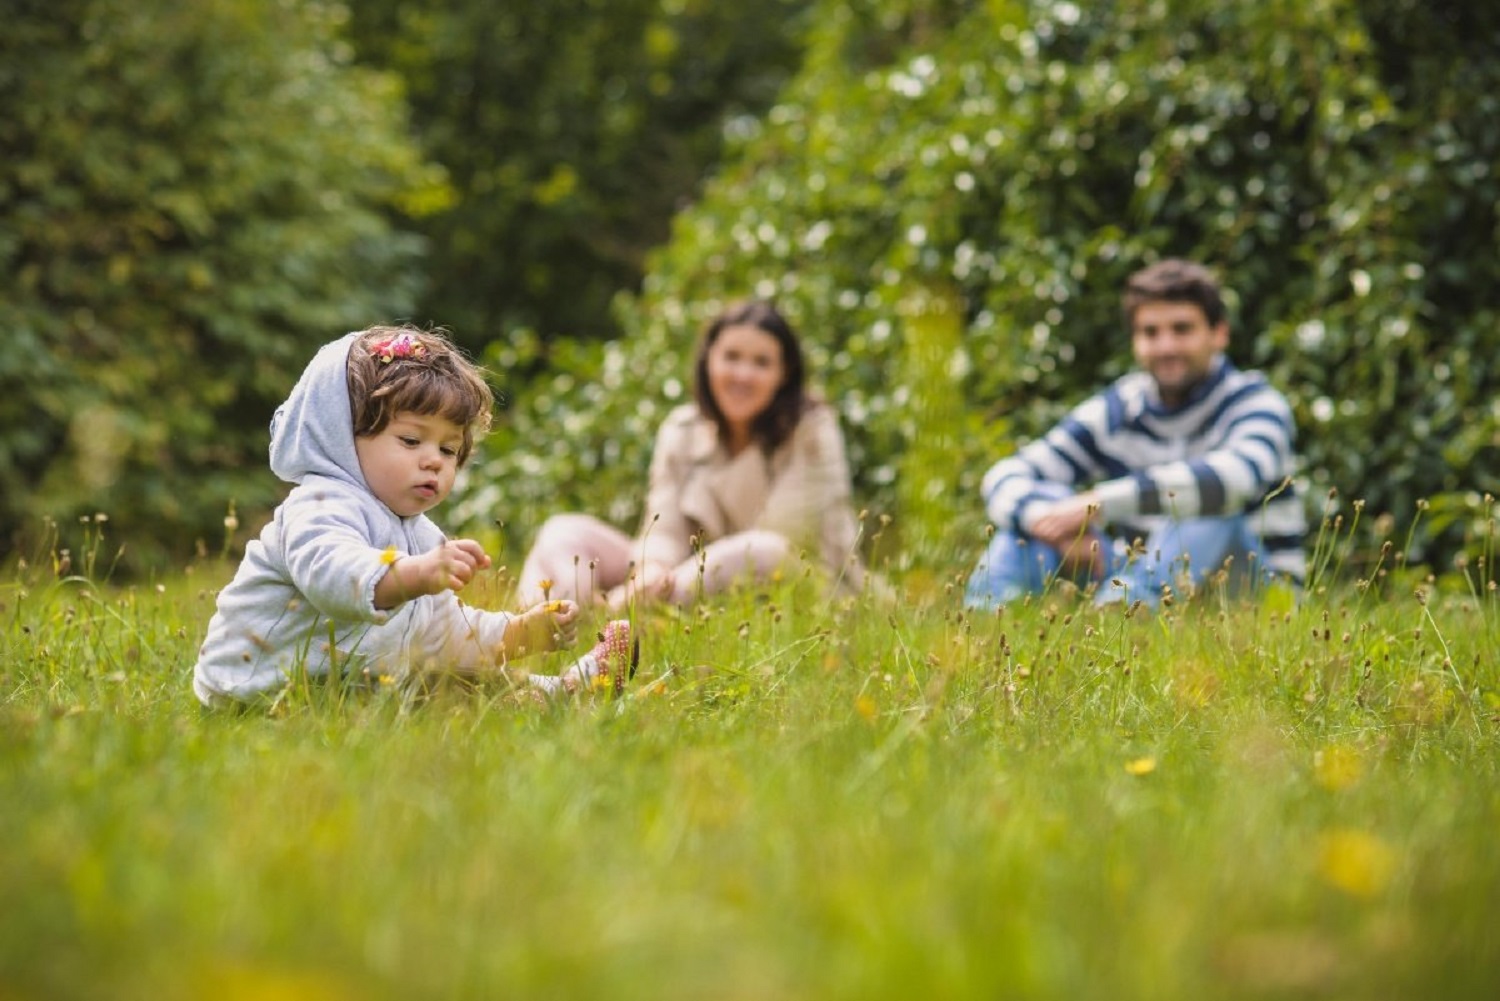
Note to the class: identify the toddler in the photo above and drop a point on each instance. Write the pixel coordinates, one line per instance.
(350, 575)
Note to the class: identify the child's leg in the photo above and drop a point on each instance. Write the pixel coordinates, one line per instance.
(581, 555)
(752, 555)
(609, 664)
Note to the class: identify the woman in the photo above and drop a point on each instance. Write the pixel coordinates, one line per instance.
(744, 479)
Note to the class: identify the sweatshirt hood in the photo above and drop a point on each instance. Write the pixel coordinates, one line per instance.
(312, 433)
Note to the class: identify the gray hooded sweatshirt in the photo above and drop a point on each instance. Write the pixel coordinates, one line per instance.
(306, 587)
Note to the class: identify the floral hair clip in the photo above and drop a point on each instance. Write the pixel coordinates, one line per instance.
(399, 346)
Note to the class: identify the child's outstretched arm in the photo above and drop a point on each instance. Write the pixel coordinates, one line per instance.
(446, 567)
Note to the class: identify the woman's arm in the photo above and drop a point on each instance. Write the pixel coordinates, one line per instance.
(813, 482)
(665, 538)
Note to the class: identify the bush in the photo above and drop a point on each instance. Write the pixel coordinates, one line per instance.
(571, 131)
(949, 197)
(193, 198)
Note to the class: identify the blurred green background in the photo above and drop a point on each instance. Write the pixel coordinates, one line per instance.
(945, 197)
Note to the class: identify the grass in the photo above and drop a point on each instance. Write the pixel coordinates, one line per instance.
(795, 799)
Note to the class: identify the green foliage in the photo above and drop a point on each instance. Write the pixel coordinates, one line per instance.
(193, 198)
(572, 130)
(1336, 161)
(794, 799)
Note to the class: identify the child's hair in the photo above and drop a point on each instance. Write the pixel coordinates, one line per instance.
(403, 369)
(1175, 280)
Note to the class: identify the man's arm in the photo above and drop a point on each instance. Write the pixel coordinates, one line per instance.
(1019, 488)
(1250, 434)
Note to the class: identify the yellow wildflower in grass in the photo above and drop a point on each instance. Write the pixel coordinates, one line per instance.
(865, 706)
(546, 585)
(389, 556)
(1337, 768)
(235, 981)
(1356, 862)
(1140, 766)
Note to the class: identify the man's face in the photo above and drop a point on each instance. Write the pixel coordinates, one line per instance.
(1175, 344)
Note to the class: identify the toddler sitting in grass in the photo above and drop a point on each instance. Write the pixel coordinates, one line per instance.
(350, 576)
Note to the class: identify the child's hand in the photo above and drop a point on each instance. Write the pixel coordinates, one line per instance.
(559, 619)
(545, 626)
(448, 567)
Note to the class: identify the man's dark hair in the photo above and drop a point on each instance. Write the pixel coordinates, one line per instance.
(1175, 280)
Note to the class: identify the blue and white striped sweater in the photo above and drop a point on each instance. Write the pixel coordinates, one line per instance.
(1227, 450)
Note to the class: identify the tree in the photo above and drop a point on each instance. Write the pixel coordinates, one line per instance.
(194, 197)
(572, 131)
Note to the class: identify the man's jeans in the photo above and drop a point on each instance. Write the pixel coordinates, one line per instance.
(1184, 551)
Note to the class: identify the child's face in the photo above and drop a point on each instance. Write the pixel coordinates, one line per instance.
(411, 463)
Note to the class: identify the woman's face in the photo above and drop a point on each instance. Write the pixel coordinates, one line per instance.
(745, 369)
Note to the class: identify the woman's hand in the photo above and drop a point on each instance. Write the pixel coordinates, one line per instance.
(652, 582)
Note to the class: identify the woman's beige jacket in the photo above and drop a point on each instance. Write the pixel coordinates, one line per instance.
(801, 491)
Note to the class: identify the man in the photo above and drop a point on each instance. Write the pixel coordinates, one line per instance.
(1174, 472)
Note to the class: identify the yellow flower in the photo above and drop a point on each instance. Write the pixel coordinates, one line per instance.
(1356, 862)
(1141, 766)
(553, 606)
(865, 706)
(389, 556)
(546, 586)
(1337, 767)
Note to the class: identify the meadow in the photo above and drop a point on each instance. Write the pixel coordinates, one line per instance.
(795, 798)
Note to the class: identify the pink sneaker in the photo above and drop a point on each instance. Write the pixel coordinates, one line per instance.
(610, 663)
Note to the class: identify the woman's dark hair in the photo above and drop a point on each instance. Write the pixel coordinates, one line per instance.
(776, 423)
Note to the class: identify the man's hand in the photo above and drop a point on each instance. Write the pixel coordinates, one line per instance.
(1067, 525)
(449, 566)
